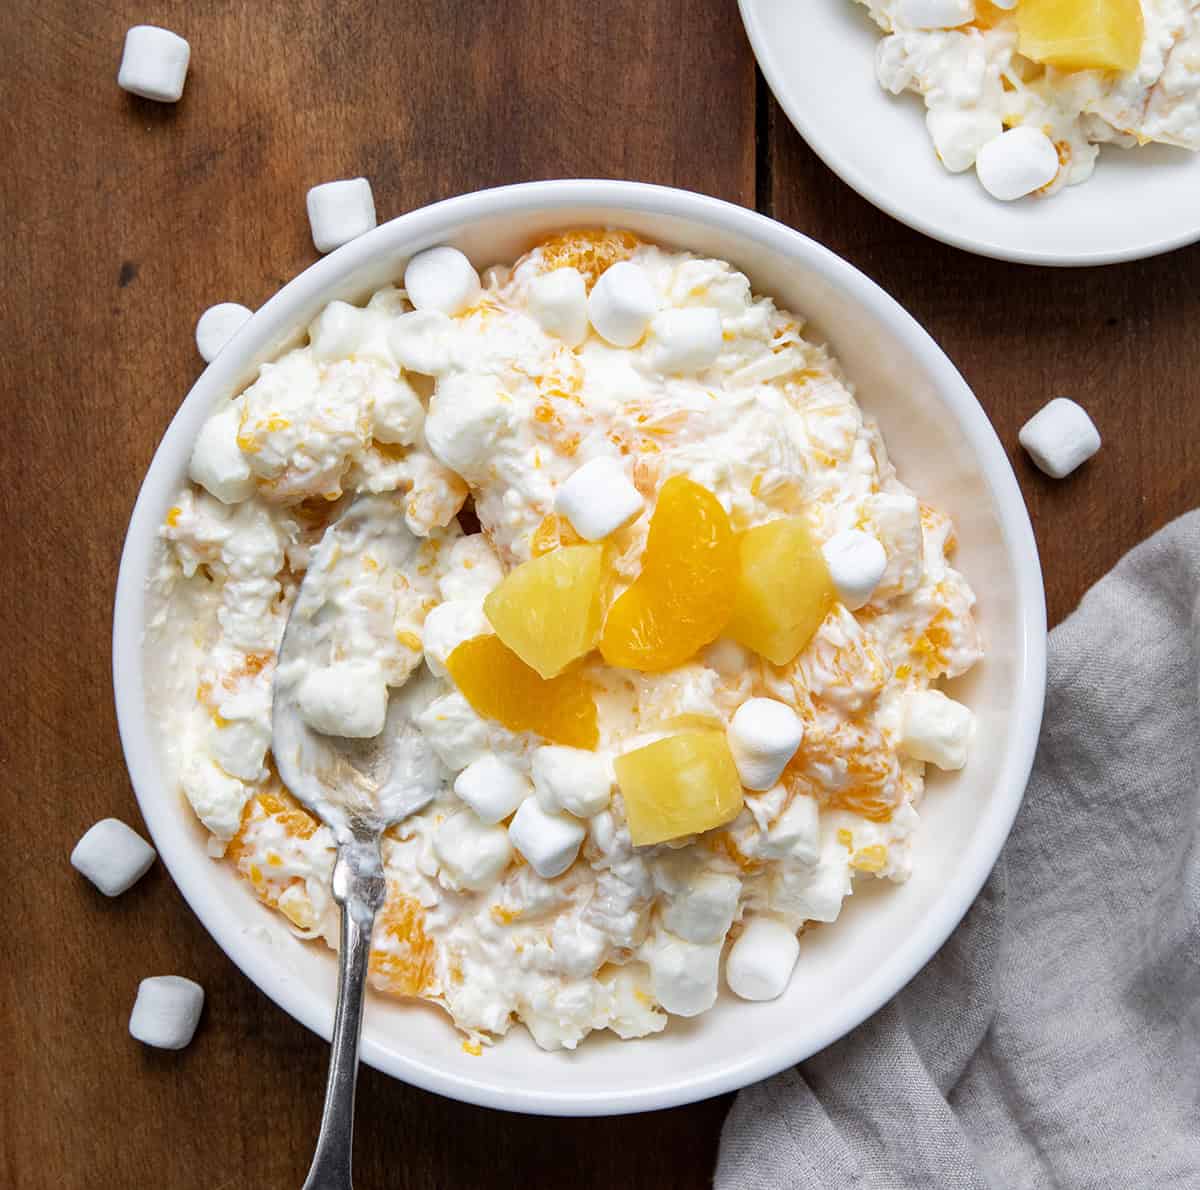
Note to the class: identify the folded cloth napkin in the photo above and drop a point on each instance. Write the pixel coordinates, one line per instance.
(1054, 1041)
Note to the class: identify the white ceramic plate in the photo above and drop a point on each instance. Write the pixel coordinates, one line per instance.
(940, 439)
(818, 56)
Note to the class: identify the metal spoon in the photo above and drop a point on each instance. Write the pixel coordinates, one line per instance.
(357, 787)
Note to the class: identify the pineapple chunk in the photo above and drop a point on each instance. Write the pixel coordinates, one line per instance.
(681, 785)
(784, 590)
(548, 610)
(1082, 34)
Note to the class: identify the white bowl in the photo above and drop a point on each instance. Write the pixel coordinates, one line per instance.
(818, 57)
(941, 440)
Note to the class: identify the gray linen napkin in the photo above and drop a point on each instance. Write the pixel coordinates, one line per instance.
(1054, 1041)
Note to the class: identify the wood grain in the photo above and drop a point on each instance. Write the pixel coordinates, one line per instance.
(125, 219)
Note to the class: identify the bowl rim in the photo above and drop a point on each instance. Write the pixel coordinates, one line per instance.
(826, 148)
(429, 224)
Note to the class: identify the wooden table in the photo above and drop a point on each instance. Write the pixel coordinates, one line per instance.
(124, 219)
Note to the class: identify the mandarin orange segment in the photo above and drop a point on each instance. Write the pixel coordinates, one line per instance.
(783, 589)
(500, 686)
(684, 595)
(548, 610)
(681, 785)
(553, 531)
(1082, 34)
(402, 957)
(590, 250)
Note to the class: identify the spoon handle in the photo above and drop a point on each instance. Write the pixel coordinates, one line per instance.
(359, 887)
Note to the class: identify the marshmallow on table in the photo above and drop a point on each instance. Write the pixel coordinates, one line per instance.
(340, 212)
(935, 729)
(571, 779)
(763, 736)
(935, 14)
(856, 562)
(166, 1011)
(492, 788)
(216, 326)
(702, 911)
(1016, 163)
(683, 975)
(1059, 437)
(113, 856)
(217, 463)
(959, 133)
(472, 853)
(558, 301)
(441, 279)
(760, 962)
(621, 304)
(550, 842)
(347, 699)
(421, 341)
(686, 340)
(154, 63)
(598, 498)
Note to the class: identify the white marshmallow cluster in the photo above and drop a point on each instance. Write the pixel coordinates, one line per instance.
(441, 279)
(598, 498)
(217, 463)
(1017, 163)
(339, 212)
(492, 788)
(166, 1011)
(763, 736)
(558, 301)
(571, 779)
(856, 562)
(686, 341)
(113, 856)
(936, 729)
(422, 341)
(621, 304)
(216, 326)
(154, 64)
(935, 14)
(760, 962)
(347, 699)
(550, 842)
(1059, 437)
(472, 853)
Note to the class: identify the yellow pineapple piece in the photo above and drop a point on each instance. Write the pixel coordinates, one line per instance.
(783, 591)
(681, 785)
(548, 610)
(1082, 34)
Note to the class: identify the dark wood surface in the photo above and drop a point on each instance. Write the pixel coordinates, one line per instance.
(125, 219)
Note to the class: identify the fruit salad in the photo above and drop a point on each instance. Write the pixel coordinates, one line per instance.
(670, 622)
(1026, 91)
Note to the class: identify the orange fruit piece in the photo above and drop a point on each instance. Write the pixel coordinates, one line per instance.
(500, 686)
(402, 958)
(684, 595)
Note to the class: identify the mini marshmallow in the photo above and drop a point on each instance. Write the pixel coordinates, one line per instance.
(472, 853)
(621, 304)
(935, 729)
(421, 341)
(447, 626)
(492, 788)
(727, 657)
(761, 961)
(686, 341)
(702, 912)
(550, 842)
(347, 699)
(683, 975)
(558, 301)
(441, 279)
(340, 212)
(216, 326)
(935, 14)
(856, 562)
(815, 892)
(763, 736)
(796, 833)
(113, 856)
(154, 64)
(217, 463)
(166, 1011)
(959, 133)
(1059, 437)
(342, 331)
(571, 779)
(598, 498)
(1016, 163)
